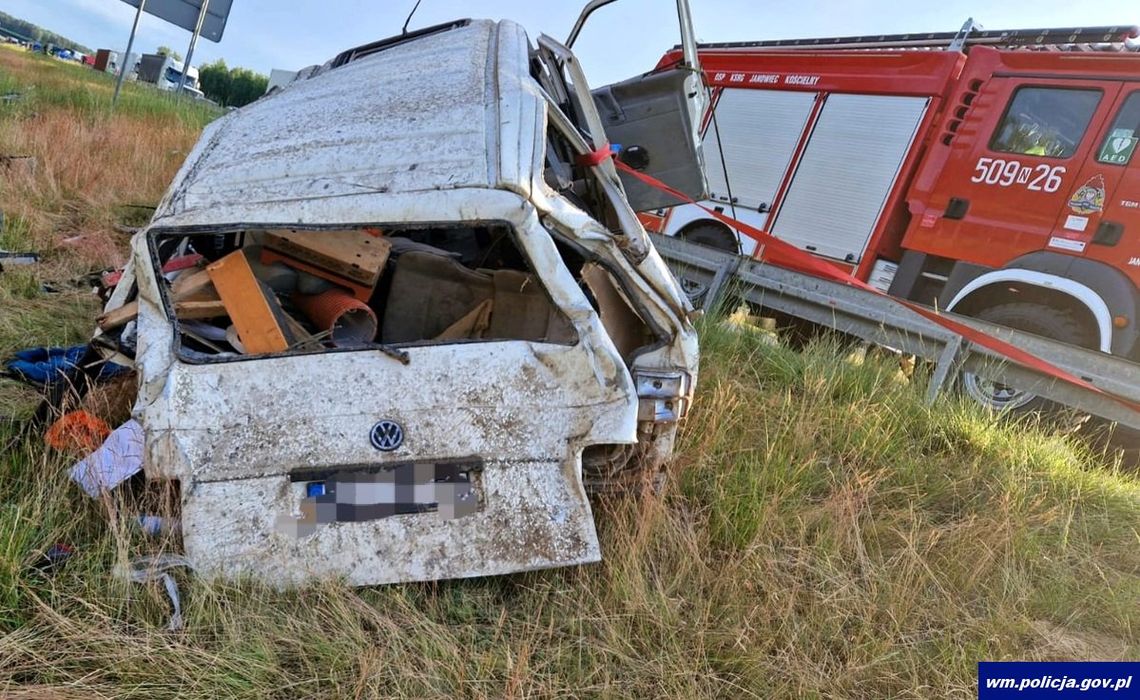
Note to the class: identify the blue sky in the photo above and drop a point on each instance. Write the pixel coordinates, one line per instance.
(620, 41)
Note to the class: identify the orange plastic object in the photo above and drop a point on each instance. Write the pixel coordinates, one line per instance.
(350, 320)
(77, 431)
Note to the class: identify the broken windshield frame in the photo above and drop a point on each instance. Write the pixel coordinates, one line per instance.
(559, 58)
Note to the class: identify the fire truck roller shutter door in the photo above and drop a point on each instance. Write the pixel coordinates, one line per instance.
(759, 131)
(846, 173)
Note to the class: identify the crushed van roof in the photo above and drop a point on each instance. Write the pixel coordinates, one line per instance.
(428, 114)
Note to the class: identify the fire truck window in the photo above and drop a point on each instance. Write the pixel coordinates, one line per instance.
(1121, 139)
(1047, 122)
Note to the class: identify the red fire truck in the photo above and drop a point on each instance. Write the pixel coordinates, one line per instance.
(988, 173)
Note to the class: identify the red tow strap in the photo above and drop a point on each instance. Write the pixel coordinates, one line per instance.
(596, 157)
(783, 254)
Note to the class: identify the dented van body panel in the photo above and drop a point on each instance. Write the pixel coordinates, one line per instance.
(256, 441)
(451, 111)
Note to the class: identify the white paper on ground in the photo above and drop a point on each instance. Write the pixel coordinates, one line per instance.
(119, 458)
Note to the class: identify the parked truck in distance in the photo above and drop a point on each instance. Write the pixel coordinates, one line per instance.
(990, 173)
(165, 73)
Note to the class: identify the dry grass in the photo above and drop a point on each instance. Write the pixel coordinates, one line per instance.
(824, 534)
(92, 169)
(89, 163)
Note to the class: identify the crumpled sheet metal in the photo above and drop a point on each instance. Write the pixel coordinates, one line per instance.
(451, 110)
(534, 516)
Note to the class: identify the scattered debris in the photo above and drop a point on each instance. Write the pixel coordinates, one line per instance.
(54, 558)
(157, 526)
(77, 431)
(10, 258)
(18, 165)
(157, 568)
(119, 458)
(46, 367)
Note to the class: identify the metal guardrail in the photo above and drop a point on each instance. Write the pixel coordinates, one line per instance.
(882, 321)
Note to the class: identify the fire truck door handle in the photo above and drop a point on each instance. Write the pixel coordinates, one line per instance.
(957, 208)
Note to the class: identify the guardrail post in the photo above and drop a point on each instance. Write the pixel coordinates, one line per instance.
(720, 281)
(948, 363)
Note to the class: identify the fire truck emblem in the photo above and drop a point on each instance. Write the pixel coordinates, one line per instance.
(1089, 197)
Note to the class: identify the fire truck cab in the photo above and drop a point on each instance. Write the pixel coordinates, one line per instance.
(999, 183)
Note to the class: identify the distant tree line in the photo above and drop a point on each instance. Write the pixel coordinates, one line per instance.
(167, 51)
(231, 87)
(37, 33)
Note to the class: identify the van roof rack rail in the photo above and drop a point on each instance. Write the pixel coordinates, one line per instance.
(971, 34)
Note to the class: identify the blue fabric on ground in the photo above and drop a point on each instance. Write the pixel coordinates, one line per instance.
(49, 366)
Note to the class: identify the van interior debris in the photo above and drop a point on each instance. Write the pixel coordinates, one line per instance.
(270, 291)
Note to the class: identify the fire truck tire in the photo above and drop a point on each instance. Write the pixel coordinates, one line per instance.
(713, 236)
(1053, 323)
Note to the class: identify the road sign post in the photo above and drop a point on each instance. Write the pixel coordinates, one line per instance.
(190, 51)
(203, 18)
(127, 57)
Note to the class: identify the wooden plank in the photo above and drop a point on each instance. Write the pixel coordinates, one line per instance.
(189, 284)
(192, 310)
(360, 291)
(358, 256)
(246, 305)
(117, 318)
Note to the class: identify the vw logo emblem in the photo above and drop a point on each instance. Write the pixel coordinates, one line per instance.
(387, 435)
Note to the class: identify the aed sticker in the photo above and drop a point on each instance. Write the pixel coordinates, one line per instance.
(1118, 147)
(1089, 197)
(1067, 244)
(1076, 223)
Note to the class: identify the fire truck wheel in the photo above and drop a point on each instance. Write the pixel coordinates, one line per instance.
(713, 236)
(1053, 323)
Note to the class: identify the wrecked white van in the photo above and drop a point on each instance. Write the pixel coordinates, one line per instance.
(391, 320)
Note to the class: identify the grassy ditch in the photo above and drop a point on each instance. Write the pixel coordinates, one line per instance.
(824, 532)
(81, 168)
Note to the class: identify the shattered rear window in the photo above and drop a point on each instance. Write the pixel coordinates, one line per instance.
(271, 291)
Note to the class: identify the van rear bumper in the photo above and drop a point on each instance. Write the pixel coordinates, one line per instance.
(529, 515)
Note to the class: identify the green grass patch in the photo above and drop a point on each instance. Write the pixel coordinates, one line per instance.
(46, 83)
